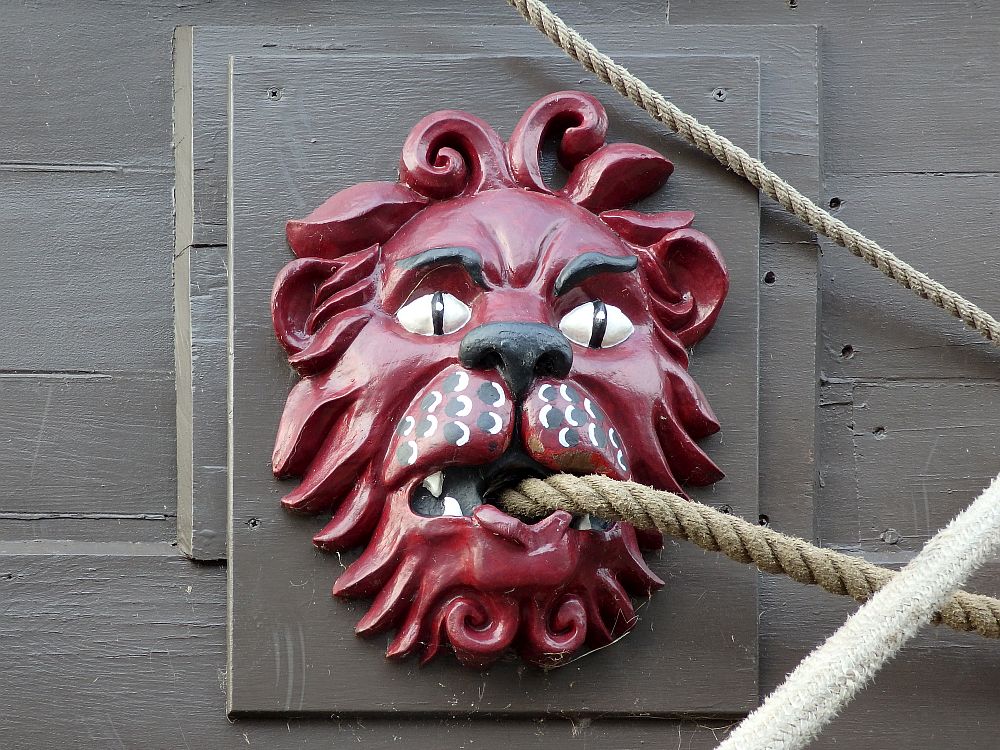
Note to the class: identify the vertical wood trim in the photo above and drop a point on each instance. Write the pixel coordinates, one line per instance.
(183, 125)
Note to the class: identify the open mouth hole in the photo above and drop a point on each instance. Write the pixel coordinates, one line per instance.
(458, 490)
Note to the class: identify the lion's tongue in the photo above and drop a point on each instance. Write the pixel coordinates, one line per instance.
(565, 430)
(530, 536)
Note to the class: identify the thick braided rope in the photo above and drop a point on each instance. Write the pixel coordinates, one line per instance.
(740, 540)
(739, 161)
(827, 679)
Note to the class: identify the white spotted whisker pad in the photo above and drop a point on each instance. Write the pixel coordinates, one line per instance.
(463, 439)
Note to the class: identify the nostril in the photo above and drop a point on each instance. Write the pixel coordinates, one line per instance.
(489, 359)
(552, 363)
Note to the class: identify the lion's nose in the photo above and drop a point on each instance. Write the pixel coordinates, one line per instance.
(519, 351)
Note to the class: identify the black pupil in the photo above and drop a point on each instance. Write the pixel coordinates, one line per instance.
(437, 313)
(600, 326)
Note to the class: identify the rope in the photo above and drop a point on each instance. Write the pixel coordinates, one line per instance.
(737, 539)
(925, 590)
(739, 161)
(827, 679)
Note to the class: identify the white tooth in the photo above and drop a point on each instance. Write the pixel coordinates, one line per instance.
(451, 507)
(435, 483)
(585, 524)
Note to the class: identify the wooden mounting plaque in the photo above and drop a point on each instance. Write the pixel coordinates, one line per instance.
(338, 120)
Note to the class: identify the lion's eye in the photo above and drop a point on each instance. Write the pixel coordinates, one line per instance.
(596, 324)
(434, 314)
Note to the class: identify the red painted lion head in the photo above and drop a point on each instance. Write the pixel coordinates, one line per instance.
(468, 326)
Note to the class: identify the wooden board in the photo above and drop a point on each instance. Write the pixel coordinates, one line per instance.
(148, 628)
(75, 107)
(81, 448)
(288, 155)
(86, 416)
(906, 118)
(89, 92)
(789, 141)
(888, 359)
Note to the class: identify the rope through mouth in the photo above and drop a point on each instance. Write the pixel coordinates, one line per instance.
(457, 491)
(736, 538)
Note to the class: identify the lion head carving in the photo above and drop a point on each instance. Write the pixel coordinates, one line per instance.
(470, 325)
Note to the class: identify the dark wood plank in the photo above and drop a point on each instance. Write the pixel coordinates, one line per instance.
(82, 448)
(288, 155)
(891, 103)
(923, 452)
(789, 140)
(86, 271)
(900, 459)
(149, 631)
(68, 105)
(789, 89)
(942, 224)
(936, 693)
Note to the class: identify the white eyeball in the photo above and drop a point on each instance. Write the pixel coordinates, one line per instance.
(434, 314)
(596, 325)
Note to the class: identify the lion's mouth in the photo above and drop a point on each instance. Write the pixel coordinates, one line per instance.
(457, 491)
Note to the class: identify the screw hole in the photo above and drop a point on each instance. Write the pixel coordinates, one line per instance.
(763, 520)
(891, 536)
(727, 509)
(253, 523)
(793, 4)
(274, 93)
(879, 432)
(770, 278)
(835, 203)
(720, 94)
(847, 352)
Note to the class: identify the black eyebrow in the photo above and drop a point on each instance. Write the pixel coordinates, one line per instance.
(445, 256)
(591, 264)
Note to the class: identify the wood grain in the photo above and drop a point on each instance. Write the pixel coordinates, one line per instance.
(150, 631)
(77, 107)
(81, 448)
(891, 104)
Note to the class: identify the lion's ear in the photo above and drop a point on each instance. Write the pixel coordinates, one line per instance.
(688, 282)
(319, 305)
(646, 229)
(355, 218)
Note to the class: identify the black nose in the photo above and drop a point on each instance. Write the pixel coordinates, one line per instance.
(520, 351)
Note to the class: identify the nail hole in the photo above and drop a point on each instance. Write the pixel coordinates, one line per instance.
(727, 509)
(253, 523)
(879, 432)
(770, 278)
(835, 203)
(763, 520)
(274, 93)
(891, 536)
(720, 94)
(847, 352)
(793, 4)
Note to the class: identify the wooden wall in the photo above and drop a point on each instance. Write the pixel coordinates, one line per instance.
(110, 639)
